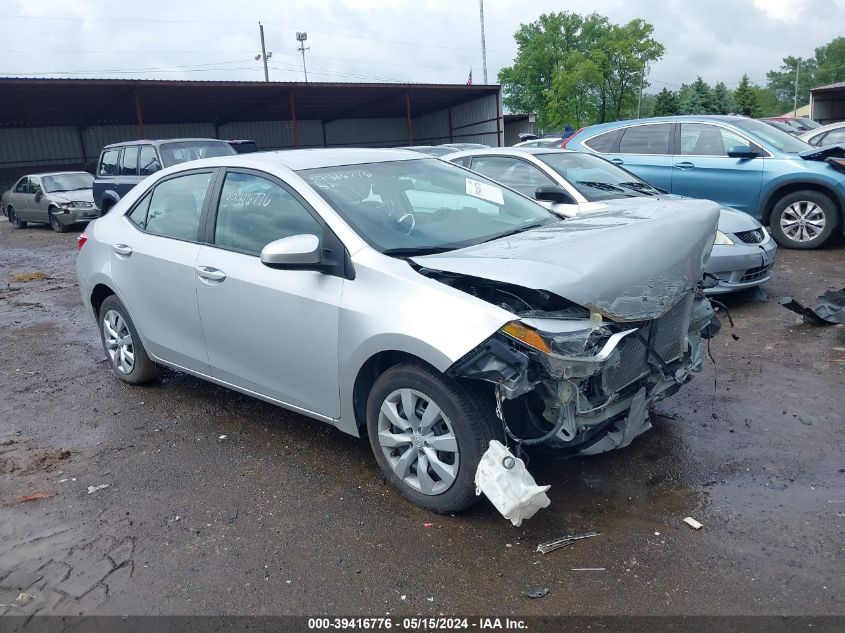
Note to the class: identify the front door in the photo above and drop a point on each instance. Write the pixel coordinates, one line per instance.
(270, 331)
(645, 150)
(703, 169)
(153, 268)
(40, 209)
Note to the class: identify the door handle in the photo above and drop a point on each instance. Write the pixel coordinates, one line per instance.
(617, 161)
(685, 165)
(207, 273)
(123, 250)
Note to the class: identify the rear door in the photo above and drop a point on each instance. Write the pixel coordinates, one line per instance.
(19, 197)
(153, 266)
(646, 151)
(270, 331)
(702, 168)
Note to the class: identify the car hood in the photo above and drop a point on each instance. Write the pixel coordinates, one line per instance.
(823, 153)
(730, 220)
(80, 195)
(629, 264)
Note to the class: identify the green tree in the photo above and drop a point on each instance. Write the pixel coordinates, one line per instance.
(781, 82)
(696, 98)
(722, 100)
(573, 68)
(747, 99)
(830, 63)
(666, 103)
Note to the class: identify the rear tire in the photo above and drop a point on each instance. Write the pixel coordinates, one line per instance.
(431, 455)
(123, 346)
(804, 220)
(56, 224)
(14, 219)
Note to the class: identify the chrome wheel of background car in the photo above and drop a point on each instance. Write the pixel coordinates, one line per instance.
(118, 341)
(418, 441)
(803, 221)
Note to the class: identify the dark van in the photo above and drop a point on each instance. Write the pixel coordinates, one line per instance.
(124, 165)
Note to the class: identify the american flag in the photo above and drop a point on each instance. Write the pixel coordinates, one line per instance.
(469, 79)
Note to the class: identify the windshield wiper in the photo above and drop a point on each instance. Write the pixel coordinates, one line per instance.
(519, 229)
(604, 186)
(642, 187)
(411, 251)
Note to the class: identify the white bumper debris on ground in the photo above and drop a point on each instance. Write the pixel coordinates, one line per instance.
(507, 483)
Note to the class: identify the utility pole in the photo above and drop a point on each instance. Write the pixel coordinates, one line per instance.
(263, 55)
(483, 42)
(301, 37)
(642, 82)
(795, 95)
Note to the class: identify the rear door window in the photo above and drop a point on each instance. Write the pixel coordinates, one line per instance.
(176, 205)
(603, 143)
(108, 163)
(129, 161)
(646, 139)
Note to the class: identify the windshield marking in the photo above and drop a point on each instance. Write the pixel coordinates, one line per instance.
(484, 191)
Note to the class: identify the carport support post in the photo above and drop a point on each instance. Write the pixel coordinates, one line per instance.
(293, 119)
(138, 114)
(408, 116)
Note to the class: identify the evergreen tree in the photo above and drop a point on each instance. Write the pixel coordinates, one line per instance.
(666, 103)
(747, 101)
(722, 100)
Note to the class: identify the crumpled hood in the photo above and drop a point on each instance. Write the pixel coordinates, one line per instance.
(629, 264)
(821, 153)
(80, 195)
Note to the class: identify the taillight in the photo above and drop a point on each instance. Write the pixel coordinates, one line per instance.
(569, 138)
(80, 241)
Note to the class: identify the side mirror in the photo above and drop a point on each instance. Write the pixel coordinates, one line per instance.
(553, 193)
(296, 251)
(742, 151)
(38, 195)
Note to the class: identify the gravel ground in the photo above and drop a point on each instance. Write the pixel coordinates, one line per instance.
(285, 515)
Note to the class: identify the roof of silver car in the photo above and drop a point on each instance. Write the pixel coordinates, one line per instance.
(297, 159)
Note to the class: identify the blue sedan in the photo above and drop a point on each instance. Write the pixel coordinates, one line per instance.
(797, 189)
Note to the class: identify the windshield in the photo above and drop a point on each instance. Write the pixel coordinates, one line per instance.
(182, 152)
(67, 182)
(425, 205)
(772, 136)
(595, 178)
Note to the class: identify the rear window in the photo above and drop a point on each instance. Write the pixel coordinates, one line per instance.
(646, 139)
(603, 142)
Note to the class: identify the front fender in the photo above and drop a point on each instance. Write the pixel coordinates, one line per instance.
(772, 189)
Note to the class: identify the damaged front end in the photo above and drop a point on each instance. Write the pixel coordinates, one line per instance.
(572, 381)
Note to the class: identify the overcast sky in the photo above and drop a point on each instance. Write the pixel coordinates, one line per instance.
(434, 41)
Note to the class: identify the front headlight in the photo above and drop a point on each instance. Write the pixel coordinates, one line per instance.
(722, 240)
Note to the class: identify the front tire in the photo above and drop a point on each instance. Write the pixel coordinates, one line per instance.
(14, 219)
(123, 346)
(428, 433)
(804, 220)
(55, 223)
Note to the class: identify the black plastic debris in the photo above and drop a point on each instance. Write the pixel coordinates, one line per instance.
(830, 311)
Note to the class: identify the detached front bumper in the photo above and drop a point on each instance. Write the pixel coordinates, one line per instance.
(740, 266)
(596, 399)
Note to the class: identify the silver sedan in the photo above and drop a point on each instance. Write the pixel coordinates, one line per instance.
(743, 254)
(60, 199)
(406, 299)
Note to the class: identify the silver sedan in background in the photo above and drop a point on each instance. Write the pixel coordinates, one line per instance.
(575, 182)
(60, 199)
(404, 298)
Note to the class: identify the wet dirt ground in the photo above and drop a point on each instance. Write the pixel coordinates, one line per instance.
(220, 504)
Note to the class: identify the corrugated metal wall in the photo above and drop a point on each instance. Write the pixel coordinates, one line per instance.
(24, 150)
(514, 128)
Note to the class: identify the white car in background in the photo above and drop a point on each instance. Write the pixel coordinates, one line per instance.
(570, 183)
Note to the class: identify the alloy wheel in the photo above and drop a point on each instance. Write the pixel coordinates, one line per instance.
(803, 221)
(118, 340)
(418, 441)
